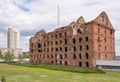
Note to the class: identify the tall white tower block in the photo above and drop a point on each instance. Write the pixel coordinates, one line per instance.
(13, 38)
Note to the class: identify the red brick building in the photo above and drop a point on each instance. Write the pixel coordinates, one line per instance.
(78, 44)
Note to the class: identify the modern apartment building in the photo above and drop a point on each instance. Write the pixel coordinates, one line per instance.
(13, 42)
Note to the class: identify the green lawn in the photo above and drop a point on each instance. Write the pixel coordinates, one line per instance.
(27, 74)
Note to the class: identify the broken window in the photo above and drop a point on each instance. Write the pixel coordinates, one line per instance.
(65, 41)
(56, 42)
(80, 48)
(51, 43)
(80, 64)
(65, 34)
(47, 49)
(74, 48)
(110, 32)
(61, 56)
(60, 48)
(51, 36)
(105, 40)
(74, 41)
(65, 49)
(66, 63)
(74, 56)
(80, 40)
(32, 50)
(65, 56)
(44, 45)
(47, 56)
(87, 55)
(60, 34)
(60, 41)
(80, 56)
(32, 44)
(60, 62)
(87, 47)
(51, 56)
(39, 47)
(52, 49)
(86, 38)
(52, 62)
(87, 64)
(56, 49)
(79, 31)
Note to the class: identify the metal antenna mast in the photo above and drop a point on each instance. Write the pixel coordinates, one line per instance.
(58, 13)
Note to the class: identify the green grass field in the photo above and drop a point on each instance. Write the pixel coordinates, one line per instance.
(14, 73)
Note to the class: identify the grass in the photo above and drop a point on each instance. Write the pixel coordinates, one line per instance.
(60, 68)
(14, 73)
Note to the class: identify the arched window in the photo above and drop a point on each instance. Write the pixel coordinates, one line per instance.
(61, 56)
(52, 62)
(74, 41)
(51, 56)
(66, 63)
(86, 39)
(80, 40)
(87, 55)
(87, 64)
(87, 47)
(79, 31)
(80, 56)
(74, 56)
(74, 48)
(60, 62)
(65, 55)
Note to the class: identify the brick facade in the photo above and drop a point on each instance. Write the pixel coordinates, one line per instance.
(78, 44)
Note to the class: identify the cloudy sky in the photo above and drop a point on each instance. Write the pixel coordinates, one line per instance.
(29, 16)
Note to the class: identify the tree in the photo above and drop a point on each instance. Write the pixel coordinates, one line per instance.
(1, 55)
(20, 57)
(25, 56)
(8, 56)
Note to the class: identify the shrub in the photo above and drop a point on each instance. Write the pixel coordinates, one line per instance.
(3, 79)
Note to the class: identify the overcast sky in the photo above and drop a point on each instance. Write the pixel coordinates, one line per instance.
(30, 16)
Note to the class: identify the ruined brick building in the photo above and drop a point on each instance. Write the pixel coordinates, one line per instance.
(78, 44)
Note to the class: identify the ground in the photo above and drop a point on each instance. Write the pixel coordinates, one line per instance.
(26, 74)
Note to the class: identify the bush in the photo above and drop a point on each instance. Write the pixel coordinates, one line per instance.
(3, 79)
(62, 68)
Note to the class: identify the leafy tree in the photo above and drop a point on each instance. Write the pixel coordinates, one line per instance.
(1, 55)
(25, 56)
(20, 57)
(8, 56)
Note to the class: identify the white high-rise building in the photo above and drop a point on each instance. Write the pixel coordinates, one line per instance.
(13, 42)
(13, 38)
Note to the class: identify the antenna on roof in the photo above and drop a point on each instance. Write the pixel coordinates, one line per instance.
(58, 13)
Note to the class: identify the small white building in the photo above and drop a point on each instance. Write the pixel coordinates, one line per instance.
(15, 52)
(112, 65)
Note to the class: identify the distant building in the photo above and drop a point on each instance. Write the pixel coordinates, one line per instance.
(113, 65)
(13, 42)
(13, 38)
(78, 44)
(15, 52)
